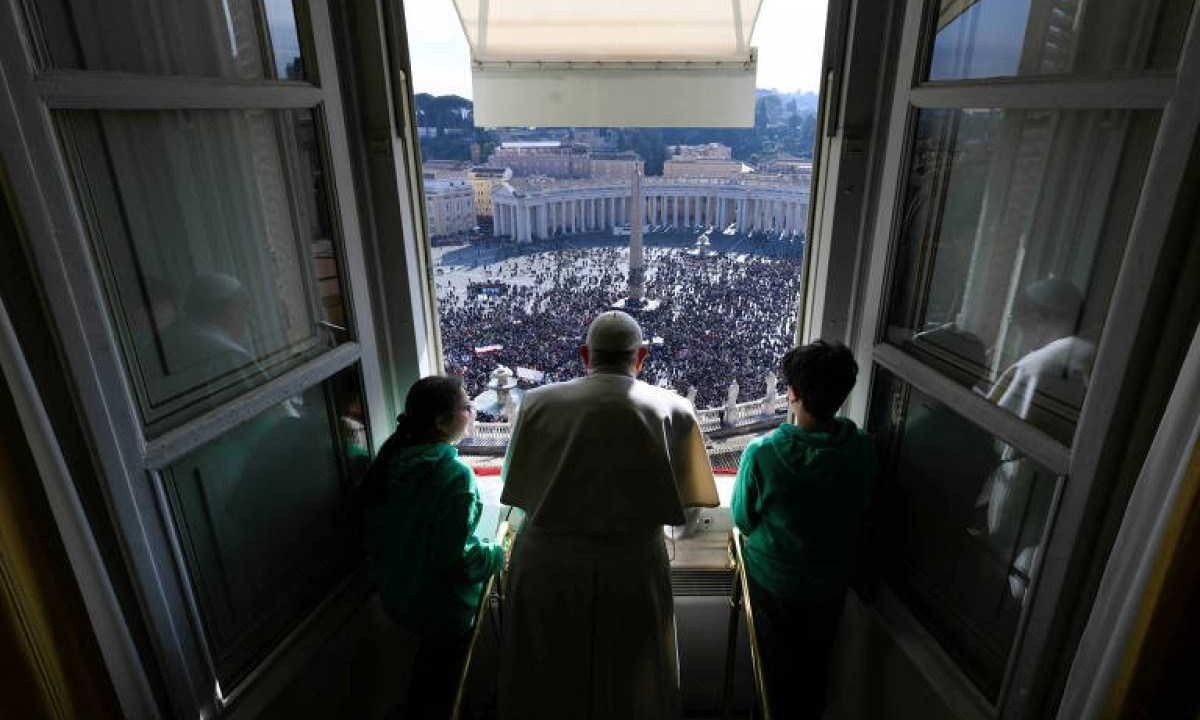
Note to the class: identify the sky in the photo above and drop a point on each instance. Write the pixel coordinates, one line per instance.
(789, 35)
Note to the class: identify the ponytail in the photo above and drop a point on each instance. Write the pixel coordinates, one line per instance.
(429, 399)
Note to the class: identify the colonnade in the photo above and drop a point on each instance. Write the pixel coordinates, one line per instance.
(779, 209)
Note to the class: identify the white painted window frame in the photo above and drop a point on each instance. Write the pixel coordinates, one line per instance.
(1174, 95)
(126, 459)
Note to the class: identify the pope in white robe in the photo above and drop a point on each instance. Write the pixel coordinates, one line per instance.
(598, 465)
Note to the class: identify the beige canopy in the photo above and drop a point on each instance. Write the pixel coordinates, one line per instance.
(612, 62)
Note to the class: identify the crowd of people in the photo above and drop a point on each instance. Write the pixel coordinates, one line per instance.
(724, 312)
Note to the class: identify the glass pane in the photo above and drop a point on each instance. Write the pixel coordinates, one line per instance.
(264, 519)
(223, 38)
(963, 521)
(1005, 38)
(1014, 226)
(213, 232)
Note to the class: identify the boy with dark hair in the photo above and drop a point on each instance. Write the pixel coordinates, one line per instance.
(800, 496)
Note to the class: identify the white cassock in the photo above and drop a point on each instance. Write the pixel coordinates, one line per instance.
(1018, 494)
(599, 465)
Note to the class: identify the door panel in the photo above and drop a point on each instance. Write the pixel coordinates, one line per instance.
(193, 224)
(1020, 209)
(212, 230)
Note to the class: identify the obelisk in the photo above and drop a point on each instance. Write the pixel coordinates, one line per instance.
(637, 268)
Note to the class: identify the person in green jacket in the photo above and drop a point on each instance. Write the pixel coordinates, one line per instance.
(800, 497)
(421, 510)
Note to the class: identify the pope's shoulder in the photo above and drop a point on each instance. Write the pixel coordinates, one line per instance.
(596, 384)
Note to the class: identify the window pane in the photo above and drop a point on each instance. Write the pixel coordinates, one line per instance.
(1014, 226)
(1005, 38)
(222, 38)
(213, 232)
(963, 519)
(264, 520)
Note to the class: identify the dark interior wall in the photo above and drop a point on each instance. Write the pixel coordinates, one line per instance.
(1170, 322)
(874, 676)
(50, 663)
(1163, 683)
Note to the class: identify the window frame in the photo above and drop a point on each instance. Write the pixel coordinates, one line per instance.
(1080, 462)
(127, 460)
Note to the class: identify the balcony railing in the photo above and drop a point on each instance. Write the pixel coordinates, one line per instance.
(726, 419)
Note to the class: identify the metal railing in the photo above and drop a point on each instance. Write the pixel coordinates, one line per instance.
(744, 414)
(492, 594)
(739, 603)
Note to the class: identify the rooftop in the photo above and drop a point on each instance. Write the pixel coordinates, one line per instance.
(488, 171)
(440, 186)
(615, 155)
(522, 144)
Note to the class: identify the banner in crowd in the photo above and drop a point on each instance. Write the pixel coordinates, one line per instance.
(485, 349)
(530, 374)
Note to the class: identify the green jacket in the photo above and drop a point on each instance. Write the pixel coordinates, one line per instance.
(799, 500)
(422, 508)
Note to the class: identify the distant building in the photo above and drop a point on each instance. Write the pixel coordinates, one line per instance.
(708, 168)
(712, 161)
(707, 151)
(597, 140)
(787, 165)
(552, 158)
(529, 209)
(445, 169)
(484, 179)
(616, 165)
(449, 208)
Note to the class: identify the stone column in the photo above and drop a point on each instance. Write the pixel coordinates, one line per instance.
(637, 268)
(731, 397)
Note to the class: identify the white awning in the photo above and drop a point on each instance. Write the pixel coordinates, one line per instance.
(612, 62)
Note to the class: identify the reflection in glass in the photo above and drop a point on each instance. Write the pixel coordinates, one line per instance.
(1006, 38)
(249, 39)
(264, 521)
(1013, 229)
(213, 232)
(963, 519)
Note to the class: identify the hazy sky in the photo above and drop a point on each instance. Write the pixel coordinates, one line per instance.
(789, 36)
